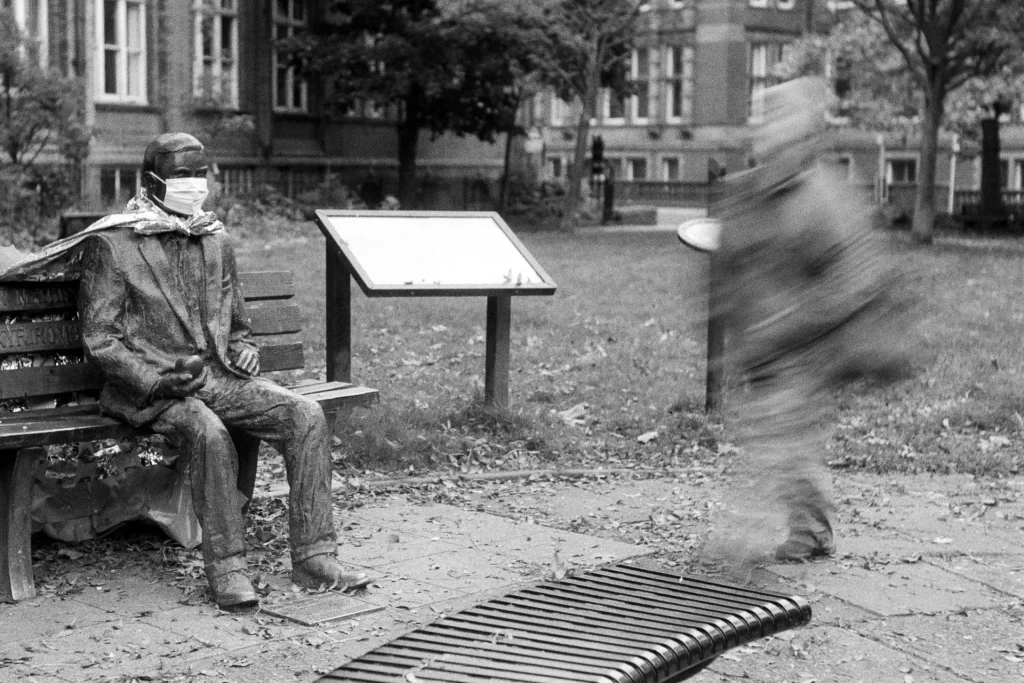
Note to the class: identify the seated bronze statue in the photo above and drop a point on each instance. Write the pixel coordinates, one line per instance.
(162, 316)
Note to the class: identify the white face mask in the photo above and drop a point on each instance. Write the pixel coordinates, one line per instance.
(185, 195)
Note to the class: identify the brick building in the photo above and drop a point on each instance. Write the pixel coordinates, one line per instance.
(209, 67)
(699, 68)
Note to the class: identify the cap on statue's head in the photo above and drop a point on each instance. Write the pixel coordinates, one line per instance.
(168, 143)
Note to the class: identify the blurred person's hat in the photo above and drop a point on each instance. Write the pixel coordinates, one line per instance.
(794, 116)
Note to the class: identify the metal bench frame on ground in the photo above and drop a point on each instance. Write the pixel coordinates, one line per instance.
(618, 624)
(273, 316)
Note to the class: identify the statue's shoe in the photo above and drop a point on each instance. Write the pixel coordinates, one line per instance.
(233, 591)
(324, 570)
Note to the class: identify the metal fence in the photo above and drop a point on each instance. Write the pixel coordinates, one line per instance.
(961, 198)
(661, 193)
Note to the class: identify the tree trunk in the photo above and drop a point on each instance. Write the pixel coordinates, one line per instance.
(577, 170)
(408, 139)
(991, 178)
(924, 208)
(506, 172)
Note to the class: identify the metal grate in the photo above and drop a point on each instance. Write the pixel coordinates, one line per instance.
(619, 623)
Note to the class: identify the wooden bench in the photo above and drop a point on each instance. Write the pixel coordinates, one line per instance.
(618, 624)
(274, 318)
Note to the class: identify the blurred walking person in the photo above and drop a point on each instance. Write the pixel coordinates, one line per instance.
(808, 295)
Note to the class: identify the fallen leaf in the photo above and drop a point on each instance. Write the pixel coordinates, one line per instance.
(647, 437)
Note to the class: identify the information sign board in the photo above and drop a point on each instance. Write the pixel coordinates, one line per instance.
(405, 253)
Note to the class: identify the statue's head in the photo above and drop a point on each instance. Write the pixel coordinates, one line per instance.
(794, 114)
(174, 170)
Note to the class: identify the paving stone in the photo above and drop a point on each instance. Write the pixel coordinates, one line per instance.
(394, 587)
(797, 656)
(1005, 574)
(895, 589)
(384, 547)
(44, 617)
(829, 611)
(463, 571)
(864, 542)
(112, 642)
(537, 547)
(133, 595)
(983, 645)
(629, 501)
(938, 532)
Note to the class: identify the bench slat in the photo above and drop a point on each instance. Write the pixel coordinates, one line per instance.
(21, 297)
(274, 319)
(50, 379)
(20, 430)
(59, 335)
(267, 284)
(333, 395)
(277, 357)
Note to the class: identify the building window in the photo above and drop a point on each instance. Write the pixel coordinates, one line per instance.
(121, 47)
(671, 169)
(556, 167)
(32, 18)
(763, 59)
(679, 84)
(613, 168)
(369, 110)
(236, 181)
(758, 3)
(289, 89)
(636, 168)
(844, 167)
(640, 67)
(785, 4)
(560, 111)
(215, 67)
(614, 107)
(901, 171)
(118, 185)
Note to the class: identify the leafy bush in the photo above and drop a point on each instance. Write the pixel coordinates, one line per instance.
(533, 204)
(889, 217)
(43, 119)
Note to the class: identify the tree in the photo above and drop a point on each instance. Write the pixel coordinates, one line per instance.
(588, 47)
(944, 44)
(444, 65)
(43, 137)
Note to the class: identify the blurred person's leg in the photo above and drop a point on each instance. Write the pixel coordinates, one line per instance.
(786, 440)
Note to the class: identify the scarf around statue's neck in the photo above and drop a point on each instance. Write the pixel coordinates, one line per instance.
(151, 219)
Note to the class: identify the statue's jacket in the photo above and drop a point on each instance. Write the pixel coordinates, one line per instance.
(136, 321)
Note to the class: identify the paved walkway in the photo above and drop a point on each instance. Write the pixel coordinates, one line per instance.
(927, 586)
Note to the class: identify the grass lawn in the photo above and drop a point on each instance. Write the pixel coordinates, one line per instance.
(610, 370)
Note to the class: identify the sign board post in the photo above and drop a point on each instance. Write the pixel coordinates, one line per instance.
(428, 253)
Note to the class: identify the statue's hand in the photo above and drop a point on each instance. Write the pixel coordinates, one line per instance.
(180, 384)
(248, 361)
